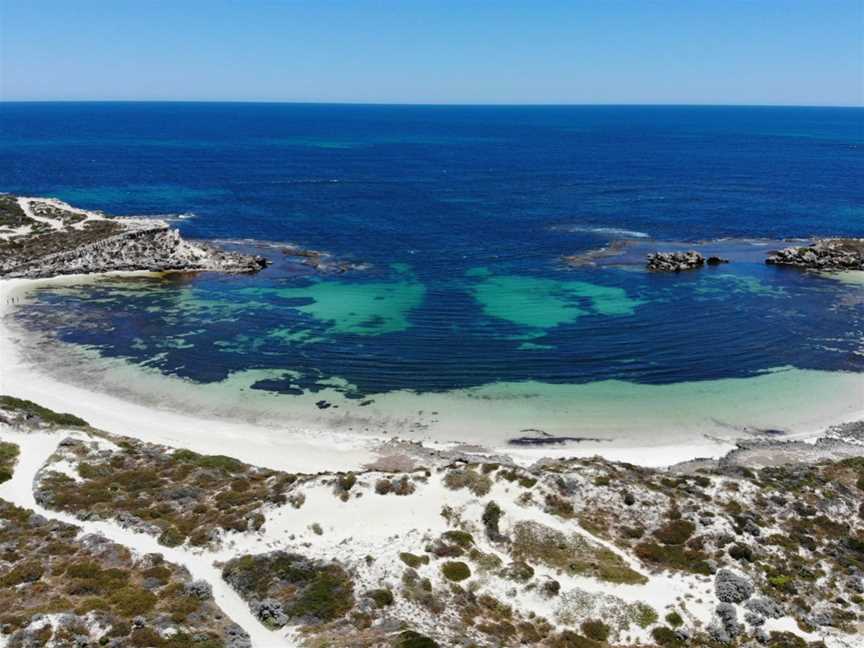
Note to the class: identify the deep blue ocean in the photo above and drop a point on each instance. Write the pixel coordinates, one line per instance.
(460, 218)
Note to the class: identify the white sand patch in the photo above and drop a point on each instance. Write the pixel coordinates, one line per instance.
(359, 526)
(27, 206)
(650, 456)
(851, 277)
(67, 468)
(8, 233)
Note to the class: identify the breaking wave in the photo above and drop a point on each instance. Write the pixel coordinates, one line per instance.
(603, 231)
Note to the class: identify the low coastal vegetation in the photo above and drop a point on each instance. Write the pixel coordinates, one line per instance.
(728, 553)
(284, 588)
(8, 457)
(180, 496)
(61, 588)
(12, 409)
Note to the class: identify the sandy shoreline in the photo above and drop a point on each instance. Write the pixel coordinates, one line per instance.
(352, 529)
(257, 445)
(310, 445)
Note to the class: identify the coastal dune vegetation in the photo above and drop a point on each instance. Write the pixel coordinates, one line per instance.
(457, 550)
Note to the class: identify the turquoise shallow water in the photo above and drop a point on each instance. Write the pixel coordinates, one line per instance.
(461, 217)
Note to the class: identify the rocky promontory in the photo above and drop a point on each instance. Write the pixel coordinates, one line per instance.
(45, 238)
(823, 254)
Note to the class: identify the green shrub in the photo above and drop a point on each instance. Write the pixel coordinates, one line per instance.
(411, 639)
(327, 597)
(455, 570)
(477, 483)
(215, 462)
(347, 481)
(645, 615)
(8, 457)
(741, 552)
(131, 601)
(569, 639)
(461, 538)
(786, 640)
(382, 597)
(666, 637)
(675, 557)
(412, 560)
(491, 517)
(676, 532)
(29, 571)
(595, 629)
(90, 604)
(674, 619)
(171, 537)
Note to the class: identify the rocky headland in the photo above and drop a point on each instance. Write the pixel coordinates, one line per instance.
(823, 254)
(42, 238)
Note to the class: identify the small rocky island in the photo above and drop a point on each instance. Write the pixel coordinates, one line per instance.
(680, 261)
(42, 237)
(823, 254)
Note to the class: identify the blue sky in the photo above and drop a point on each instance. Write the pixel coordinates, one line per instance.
(541, 51)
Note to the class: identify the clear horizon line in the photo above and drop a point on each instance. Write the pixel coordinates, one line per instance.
(428, 104)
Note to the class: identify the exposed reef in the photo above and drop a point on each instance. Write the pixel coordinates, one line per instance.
(823, 254)
(42, 238)
(322, 261)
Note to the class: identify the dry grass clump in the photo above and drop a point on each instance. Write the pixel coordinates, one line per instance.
(476, 482)
(402, 486)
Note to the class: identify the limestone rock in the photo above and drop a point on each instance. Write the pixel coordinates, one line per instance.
(732, 588)
(674, 261)
(824, 254)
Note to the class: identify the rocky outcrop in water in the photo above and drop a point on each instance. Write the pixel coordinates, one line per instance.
(824, 254)
(675, 261)
(679, 261)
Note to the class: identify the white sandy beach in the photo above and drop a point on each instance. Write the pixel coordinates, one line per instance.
(642, 424)
(257, 445)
